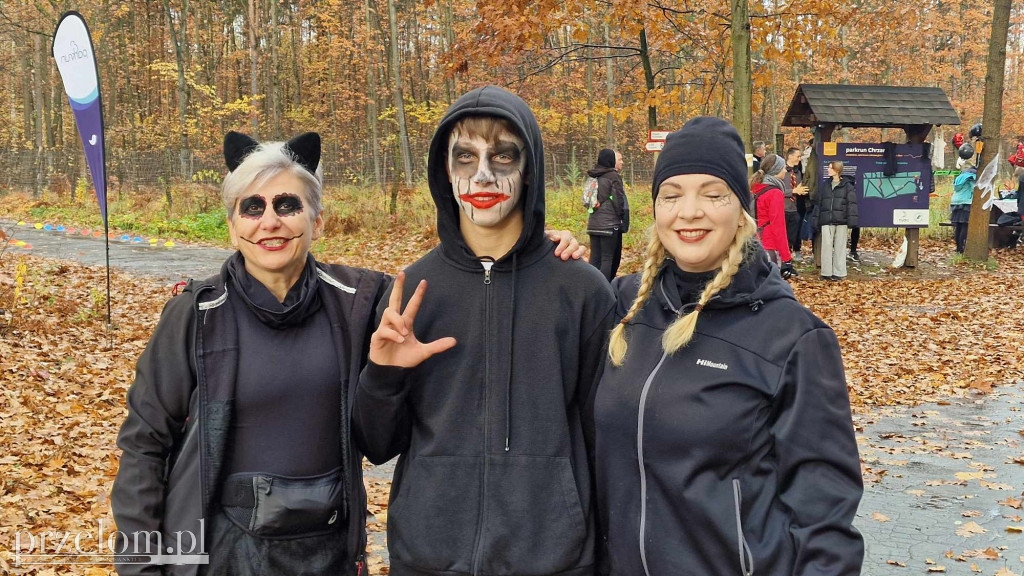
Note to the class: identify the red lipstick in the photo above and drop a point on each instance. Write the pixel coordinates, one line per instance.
(484, 200)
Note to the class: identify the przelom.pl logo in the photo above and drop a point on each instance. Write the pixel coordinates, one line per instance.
(53, 547)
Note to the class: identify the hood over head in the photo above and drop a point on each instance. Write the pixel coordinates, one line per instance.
(500, 103)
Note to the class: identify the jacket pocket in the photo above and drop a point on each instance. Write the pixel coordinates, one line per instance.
(746, 558)
(434, 515)
(534, 518)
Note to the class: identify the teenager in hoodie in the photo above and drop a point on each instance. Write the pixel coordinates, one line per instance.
(724, 438)
(960, 205)
(837, 211)
(609, 220)
(484, 399)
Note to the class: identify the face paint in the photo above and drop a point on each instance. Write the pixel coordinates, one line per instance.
(287, 205)
(486, 175)
(252, 207)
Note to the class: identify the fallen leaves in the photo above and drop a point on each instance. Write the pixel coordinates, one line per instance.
(970, 529)
(878, 517)
(1012, 503)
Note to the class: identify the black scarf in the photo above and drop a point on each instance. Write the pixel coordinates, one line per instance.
(302, 300)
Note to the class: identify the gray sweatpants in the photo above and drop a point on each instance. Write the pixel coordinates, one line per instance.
(833, 250)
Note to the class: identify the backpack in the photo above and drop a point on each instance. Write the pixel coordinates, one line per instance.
(590, 200)
(753, 206)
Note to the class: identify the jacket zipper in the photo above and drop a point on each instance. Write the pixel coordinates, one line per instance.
(482, 515)
(746, 558)
(201, 388)
(640, 459)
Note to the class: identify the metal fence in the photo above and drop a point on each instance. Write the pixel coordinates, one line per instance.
(61, 171)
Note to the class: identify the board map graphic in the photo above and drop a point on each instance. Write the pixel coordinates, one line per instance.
(876, 185)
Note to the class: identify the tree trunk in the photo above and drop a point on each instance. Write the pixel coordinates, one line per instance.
(371, 102)
(38, 108)
(275, 73)
(253, 78)
(645, 59)
(992, 120)
(179, 57)
(609, 120)
(591, 142)
(740, 36)
(403, 135)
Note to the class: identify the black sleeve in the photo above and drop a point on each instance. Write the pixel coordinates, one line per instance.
(158, 402)
(852, 218)
(818, 464)
(381, 424)
(621, 204)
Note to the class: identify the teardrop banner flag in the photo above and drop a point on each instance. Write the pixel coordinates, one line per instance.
(76, 61)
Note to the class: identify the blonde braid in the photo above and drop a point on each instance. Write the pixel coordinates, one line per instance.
(680, 332)
(655, 256)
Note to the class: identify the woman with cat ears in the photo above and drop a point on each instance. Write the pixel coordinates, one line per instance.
(724, 438)
(238, 429)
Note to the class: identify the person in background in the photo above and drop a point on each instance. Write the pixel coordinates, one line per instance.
(609, 220)
(837, 208)
(767, 201)
(960, 204)
(796, 199)
(759, 152)
(854, 240)
(725, 443)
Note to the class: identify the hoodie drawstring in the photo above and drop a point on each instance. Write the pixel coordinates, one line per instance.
(511, 361)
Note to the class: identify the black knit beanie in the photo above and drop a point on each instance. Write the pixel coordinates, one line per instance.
(705, 145)
(606, 158)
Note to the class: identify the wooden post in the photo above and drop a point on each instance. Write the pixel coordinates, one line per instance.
(916, 134)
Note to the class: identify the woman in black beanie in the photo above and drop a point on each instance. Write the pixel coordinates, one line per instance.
(724, 443)
(609, 219)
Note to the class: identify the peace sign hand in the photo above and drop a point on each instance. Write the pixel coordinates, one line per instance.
(394, 343)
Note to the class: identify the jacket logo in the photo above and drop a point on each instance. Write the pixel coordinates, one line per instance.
(710, 364)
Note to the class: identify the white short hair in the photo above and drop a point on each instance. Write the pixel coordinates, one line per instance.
(262, 164)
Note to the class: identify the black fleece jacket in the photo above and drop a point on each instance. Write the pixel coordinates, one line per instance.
(735, 455)
(493, 476)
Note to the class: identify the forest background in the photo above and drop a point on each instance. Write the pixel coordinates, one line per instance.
(374, 76)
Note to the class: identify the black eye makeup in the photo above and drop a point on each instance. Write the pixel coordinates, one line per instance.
(252, 207)
(287, 205)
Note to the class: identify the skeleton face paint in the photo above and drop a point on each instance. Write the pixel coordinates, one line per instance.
(486, 174)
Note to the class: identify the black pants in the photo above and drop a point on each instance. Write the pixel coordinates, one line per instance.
(960, 236)
(606, 253)
(854, 238)
(793, 222)
(801, 209)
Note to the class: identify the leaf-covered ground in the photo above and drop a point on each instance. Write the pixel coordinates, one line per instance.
(907, 338)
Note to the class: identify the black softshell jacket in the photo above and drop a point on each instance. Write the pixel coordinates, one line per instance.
(493, 477)
(180, 405)
(736, 455)
(613, 213)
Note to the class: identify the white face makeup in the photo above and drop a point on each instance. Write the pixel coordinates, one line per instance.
(486, 173)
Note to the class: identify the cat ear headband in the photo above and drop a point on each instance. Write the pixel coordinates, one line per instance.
(305, 148)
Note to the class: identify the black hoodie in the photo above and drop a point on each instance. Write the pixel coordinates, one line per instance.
(493, 476)
(736, 454)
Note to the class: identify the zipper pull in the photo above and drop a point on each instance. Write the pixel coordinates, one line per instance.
(487, 270)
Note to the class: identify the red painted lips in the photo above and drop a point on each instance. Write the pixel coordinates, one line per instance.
(484, 200)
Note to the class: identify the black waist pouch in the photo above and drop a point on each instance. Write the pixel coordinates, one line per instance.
(275, 506)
